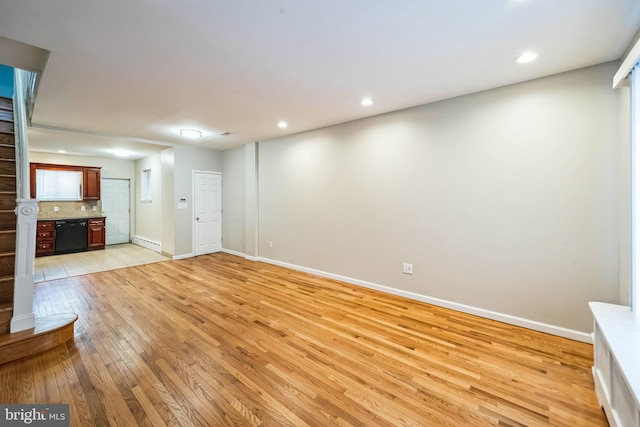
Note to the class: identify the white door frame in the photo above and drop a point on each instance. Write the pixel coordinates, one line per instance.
(193, 208)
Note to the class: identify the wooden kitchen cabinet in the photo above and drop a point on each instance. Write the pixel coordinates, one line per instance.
(90, 179)
(96, 234)
(45, 238)
(90, 183)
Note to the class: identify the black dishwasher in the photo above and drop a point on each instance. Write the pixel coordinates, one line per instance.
(71, 235)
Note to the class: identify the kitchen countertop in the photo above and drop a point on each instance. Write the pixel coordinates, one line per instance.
(64, 219)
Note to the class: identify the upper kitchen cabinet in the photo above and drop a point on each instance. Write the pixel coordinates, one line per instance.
(91, 183)
(64, 182)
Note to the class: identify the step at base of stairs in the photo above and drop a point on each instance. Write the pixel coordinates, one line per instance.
(49, 332)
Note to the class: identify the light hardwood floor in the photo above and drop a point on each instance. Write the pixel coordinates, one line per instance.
(217, 340)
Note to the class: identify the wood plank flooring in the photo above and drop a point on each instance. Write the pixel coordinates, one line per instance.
(220, 341)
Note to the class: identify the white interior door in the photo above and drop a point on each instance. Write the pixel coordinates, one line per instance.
(207, 210)
(115, 206)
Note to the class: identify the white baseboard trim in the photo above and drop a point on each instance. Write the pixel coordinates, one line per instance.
(229, 251)
(147, 243)
(240, 254)
(183, 256)
(481, 312)
(22, 323)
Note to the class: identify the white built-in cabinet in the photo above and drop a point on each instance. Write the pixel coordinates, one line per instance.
(616, 370)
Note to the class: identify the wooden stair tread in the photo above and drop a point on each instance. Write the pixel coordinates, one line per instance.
(7, 127)
(3, 254)
(6, 313)
(49, 332)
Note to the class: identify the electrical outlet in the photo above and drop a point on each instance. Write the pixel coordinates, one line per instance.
(83, 208)
(56, 209)
(270, 244)
(95, 208)
(407, 268)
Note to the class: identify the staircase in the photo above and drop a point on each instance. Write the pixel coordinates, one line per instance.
(7, 215)
(49, 331)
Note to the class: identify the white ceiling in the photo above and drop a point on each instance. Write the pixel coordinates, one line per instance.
(141, 70)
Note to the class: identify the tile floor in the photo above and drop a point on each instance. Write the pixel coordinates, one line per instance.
(113, 257)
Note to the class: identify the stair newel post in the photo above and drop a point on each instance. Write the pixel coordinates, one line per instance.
(27, 212)
(23, 317)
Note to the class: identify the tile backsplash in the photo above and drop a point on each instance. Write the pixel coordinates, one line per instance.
(69, 209)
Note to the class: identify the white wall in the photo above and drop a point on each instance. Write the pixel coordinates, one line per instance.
(624, 196)
(149, 214)
(186, 160)
(168, 214)
(233, 198)
(504, 200)
(111, 168)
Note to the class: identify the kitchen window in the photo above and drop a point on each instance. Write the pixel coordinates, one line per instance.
(58, 185)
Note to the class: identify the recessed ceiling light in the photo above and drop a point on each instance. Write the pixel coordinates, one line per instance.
(121, 153)
(282, 124)
(191, 133)
(366, 102)
(526, 57)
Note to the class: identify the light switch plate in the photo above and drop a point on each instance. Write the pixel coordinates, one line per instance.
(407, 268)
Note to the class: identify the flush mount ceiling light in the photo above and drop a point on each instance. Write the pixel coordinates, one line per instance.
(191, 133)
(526, 57)
(282, 124)
(365, 102)
(121, 153)
(61, 151)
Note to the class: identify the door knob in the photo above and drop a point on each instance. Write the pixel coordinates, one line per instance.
(197, 218)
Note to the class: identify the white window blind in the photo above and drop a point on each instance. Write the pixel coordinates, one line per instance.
(58, 185)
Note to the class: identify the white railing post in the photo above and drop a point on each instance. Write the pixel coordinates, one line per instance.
(27, 212)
